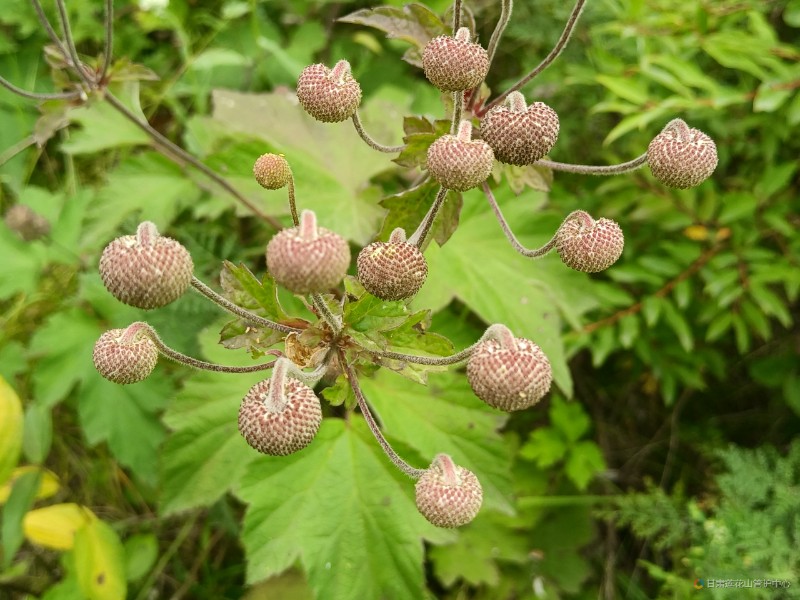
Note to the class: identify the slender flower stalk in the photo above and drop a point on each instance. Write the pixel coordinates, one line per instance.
(424, 228)
(172, 354)
(554, 53)
(39, 95)
(371, 142)
(494, 332)
(178, 154)
(108, 42)
(232, 308)
(506, 6)
(45, 23)
(70, 44)
(456, 16)
(292, 201)
(527, 252)
(625, 167)
(373, 426)
(325, 312)
(458, 109)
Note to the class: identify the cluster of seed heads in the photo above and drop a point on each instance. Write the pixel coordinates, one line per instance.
(282, 414)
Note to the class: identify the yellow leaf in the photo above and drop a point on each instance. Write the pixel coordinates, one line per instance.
(698, 233)
(100, 562)
(48, 484)
(11, 421)
(55, 526)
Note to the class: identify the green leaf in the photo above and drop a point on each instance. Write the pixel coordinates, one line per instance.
(545, 447)
(126, 417)
(340, 393)
(679, 325)
(332, 164)
(569, 418)
(627, 88)
(476, 554)
(63, 346)
(414, 23)
(38, 433)
(141, 552)
(99, 562)
(23, 492)
(445, 417)
(22, 263)
(205, 456)
(343, 510)
(583, 462)
(480, 268)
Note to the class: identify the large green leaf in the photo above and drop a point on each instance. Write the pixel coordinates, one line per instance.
(445, 417)
(341, 509)
(332, 166)
(480, 268)
(205, 456)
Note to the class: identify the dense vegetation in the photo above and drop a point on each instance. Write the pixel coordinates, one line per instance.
(665, 453)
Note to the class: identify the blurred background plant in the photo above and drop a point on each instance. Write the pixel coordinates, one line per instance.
(666, 454)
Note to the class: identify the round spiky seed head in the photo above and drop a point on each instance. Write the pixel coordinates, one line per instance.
(458, 162)
(125, 355)
(510, 373)
(146, 270)
(520, 135)
(329, 95)
(308, 259)
(455, 64)
(682, 157)
(272, 171)
(280, 428)
(392, 270)
(588, 245)
(448, 495)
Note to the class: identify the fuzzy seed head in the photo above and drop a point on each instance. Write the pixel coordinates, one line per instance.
(146, 270)
(392, 270)
(454, 65)
(588, 245)
(329, 95)
(458, 164)
(682, 157)
(509, 378)
(448, 495)
(123, 357)
(520, 137)
(308, 259)
(282, 429)
(272, 171)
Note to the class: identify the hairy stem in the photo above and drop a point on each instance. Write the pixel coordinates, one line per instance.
(373, 426)
(36, 95)
(232, 308)
(292, 200)
(554, 53)
(494, 332)
(108, 42)
(529, 253)
(70, 44)
(456, 15)
(625, 167)
(325, 312)
(200, 364)
(371, 142)
(419, 236)
(506, 6)
(458, 108)
(174, 151)
(45, 23)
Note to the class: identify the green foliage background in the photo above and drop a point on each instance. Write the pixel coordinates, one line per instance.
(665, 455)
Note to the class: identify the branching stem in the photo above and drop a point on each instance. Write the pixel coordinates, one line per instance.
(371, 142)
(108, 48)
(37, 95)
(373, 426)
(625, 167)
(325, 312)
(554, 53)
(70, 44)
(232, 308)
